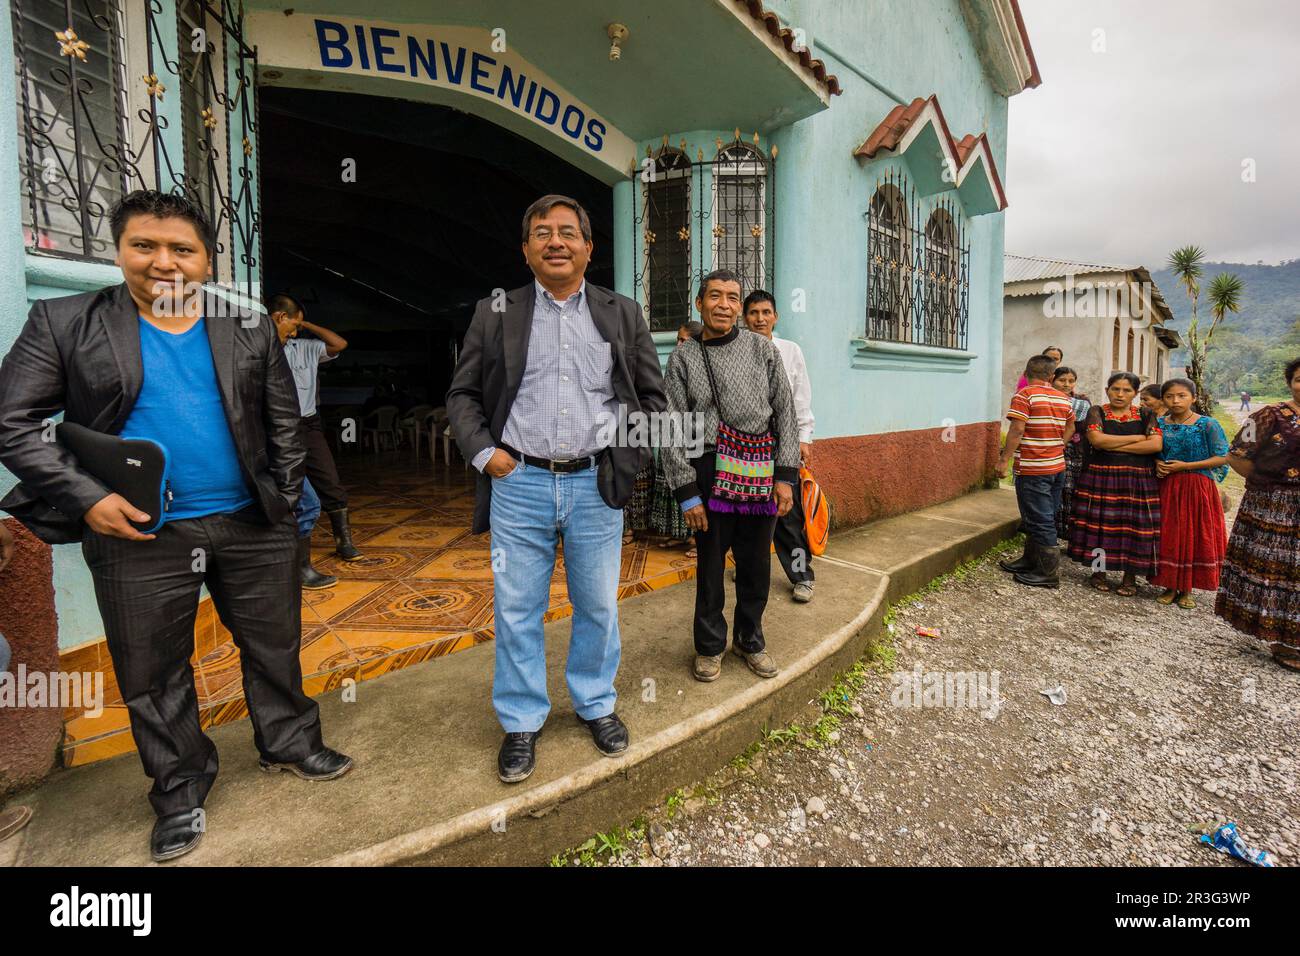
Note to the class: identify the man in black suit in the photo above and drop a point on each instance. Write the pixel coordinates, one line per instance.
(157, 358)
(546, 373)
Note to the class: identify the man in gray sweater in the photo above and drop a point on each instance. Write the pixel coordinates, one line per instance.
(755, 395)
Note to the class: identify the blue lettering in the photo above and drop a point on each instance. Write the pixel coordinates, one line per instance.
(334, 52)
(453, 73)
(532, 91)
(362, 55)
(573, 111)
(554, 104)
(430, 63)
(380, 49)
(476, 71)
(516, 93)
(595, 138)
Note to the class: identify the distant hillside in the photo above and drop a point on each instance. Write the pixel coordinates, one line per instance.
(1270, 303)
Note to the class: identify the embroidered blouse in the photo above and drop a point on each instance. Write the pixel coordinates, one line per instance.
(1132, 421)
(1197, 441)
(1271, 439)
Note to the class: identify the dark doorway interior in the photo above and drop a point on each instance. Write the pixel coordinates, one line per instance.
(395, 261)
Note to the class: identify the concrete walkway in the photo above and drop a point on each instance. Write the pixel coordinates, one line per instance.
(424, 789)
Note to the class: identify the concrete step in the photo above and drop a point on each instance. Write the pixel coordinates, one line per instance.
(424, 789)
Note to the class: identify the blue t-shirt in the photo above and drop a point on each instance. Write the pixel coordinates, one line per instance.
(179, 407)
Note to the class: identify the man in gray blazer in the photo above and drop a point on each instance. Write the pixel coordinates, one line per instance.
(545, 373)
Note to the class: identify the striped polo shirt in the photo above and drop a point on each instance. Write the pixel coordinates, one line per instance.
(1045, 412)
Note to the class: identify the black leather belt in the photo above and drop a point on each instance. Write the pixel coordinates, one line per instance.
(561, 467)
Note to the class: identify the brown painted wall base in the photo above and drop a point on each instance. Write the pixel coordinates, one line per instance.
(867, 477)
(29, 737)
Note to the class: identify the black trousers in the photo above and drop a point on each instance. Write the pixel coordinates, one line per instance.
(749, 538)
(148, 594)
(792, 543)
(321, 471)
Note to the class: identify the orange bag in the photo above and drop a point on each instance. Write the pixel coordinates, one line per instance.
(816, 512)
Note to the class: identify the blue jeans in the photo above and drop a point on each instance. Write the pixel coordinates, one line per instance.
(1039, 498)
(308, 509)
(533, 509)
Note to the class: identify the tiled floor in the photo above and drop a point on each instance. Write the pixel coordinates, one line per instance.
(423, 589)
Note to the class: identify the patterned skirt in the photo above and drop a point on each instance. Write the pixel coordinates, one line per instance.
(1115, 518)
(1193, 536)
(1259, 592)
(636, 513)
(666, 516)
(1073, 466)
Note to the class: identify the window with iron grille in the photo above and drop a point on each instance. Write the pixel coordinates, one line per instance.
(942, 280)
(918, 276)
(91, 130)
(739, 204)
(198, 87)
(668, 241)
(72, 159)
(693, 216)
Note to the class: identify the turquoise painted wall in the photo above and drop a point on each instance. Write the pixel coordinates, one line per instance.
(823, 193)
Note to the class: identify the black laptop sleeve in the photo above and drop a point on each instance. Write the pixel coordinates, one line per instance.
(135, 468)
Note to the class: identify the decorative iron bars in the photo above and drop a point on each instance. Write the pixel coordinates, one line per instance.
(918, 273)
(71, 130)
(694, 217)
(88, 134)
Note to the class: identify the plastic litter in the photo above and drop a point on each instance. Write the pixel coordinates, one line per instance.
(927, 632)
(1227, 840)
(1055, 694)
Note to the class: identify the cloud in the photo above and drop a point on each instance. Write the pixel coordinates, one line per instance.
(1136, 140)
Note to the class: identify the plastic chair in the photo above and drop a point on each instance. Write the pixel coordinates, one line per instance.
(379, 425)
(412, 425)
(434, 421)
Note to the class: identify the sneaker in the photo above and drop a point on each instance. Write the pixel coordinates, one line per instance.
(707, 667)
(803, 592)
(760, 662)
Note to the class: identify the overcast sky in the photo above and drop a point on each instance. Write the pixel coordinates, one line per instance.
(1124, 154)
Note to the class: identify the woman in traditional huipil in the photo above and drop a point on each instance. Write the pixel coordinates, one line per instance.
(1193, 460)
(1115, 514)
(1259, 589)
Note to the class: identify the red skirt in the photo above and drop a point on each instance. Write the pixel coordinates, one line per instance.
(1193, 534)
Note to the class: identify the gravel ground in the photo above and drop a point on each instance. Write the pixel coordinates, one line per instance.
(1173, 723)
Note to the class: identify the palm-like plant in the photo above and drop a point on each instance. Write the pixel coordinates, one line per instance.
(1186, 265)
(1224, 296)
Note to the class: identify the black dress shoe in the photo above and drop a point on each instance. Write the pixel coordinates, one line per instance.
(517, 758)
(609, 733)
(324, 764)
(175, 835)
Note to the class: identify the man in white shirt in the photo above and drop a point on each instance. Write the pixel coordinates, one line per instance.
(790, 540)
(305, 356)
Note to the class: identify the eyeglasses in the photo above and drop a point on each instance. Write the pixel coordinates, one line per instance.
(567, 233)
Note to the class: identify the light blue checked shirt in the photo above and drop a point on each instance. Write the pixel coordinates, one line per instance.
(567, 386)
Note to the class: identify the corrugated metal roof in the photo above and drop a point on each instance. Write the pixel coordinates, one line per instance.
(1033, 268)
(1037, 269)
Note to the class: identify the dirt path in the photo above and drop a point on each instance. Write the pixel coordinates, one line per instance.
(1172, 722)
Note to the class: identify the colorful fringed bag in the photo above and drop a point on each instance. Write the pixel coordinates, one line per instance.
(745, 463)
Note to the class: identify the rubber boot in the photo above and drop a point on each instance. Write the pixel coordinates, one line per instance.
(1023, 563)
(1047, 562)
(312, 580)
(343, 545)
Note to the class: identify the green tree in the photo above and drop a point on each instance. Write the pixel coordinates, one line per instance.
(1224, 295)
